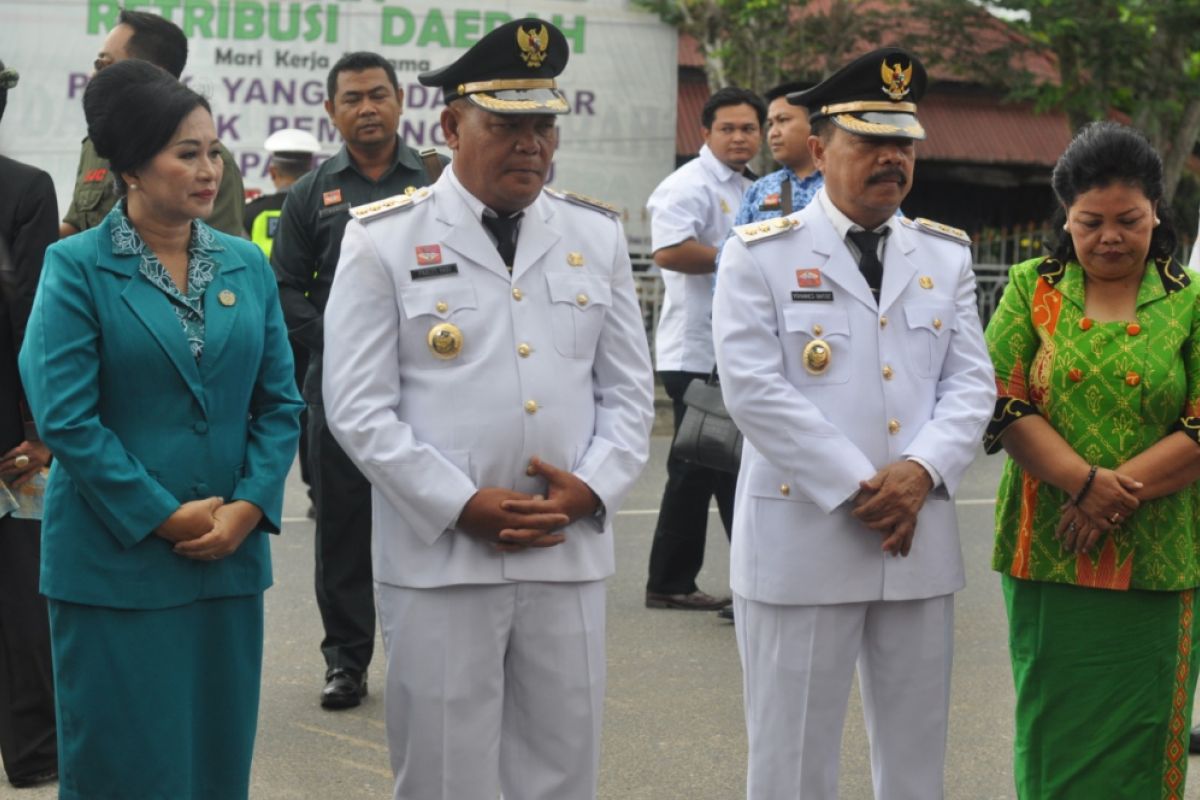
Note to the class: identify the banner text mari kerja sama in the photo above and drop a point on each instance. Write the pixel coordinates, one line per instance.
(263, 66)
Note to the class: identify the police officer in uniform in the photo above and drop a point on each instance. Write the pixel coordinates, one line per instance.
(852, 359)
(292, 152)
(488, 370)
(147, 37)
(364, 101)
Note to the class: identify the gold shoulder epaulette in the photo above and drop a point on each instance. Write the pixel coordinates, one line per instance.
(387, 205)
(938, 229)
(753, 232)
(585, 201)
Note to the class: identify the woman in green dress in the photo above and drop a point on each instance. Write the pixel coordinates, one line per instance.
(1097, 356)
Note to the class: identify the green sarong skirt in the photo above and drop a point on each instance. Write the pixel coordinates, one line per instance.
(157, 704)
(1104, 683)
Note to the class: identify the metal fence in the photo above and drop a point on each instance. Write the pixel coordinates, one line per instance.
(993, 252)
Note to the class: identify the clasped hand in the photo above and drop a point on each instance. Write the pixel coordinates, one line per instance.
(890, 501)
(209, 529)
(1107, 503)
(514, 521)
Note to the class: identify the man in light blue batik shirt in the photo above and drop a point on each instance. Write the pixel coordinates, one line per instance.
(792, 187)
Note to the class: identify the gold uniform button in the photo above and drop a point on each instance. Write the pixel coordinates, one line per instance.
(893, 426)
(531, 406)
(887, 373)
(442, 307)
(883, 322)
(784, 489)
(581, 299)
(517, 293)
(818, 330)
(937, 324)
(523, 350)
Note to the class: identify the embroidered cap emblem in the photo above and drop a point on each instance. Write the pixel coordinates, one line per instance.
(533, 46)
(895, 80)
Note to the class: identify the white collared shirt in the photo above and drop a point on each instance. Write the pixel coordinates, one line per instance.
(697, 201)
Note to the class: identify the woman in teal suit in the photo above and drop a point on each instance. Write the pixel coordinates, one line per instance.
(157, 365)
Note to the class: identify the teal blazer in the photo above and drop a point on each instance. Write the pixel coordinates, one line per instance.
(137, 426)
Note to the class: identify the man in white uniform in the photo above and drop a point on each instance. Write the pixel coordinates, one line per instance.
(852, 359)
(691, 214)
(487, 370)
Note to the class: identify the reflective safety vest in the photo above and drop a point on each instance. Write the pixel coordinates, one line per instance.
(262, 230)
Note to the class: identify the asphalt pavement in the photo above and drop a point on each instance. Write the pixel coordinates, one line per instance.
(673, 726)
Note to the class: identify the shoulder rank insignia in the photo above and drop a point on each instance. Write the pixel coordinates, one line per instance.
(387, 205)
(938, 229)
(585, 201)
(758, 231)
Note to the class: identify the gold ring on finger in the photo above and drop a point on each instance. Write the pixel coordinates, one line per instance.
(1115, 518)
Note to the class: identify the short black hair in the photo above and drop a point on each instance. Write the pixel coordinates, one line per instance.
(1101, 154)
(3, 94)
(133, 108)
(732, 96)
(821, 127)
(784, 89)
(358, 62)
(155, 39)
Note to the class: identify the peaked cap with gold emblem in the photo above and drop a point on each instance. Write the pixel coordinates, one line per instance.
(874, 95)
(509, 71)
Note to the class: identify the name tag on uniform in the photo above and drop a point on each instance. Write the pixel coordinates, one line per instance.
(331, 210)
(433, 272)
(812, 297)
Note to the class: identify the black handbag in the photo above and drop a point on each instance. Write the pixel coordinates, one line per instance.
(707, 436)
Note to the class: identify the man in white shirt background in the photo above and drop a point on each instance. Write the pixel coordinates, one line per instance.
(691, 213)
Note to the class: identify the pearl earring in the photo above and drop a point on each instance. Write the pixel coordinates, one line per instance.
(1066, 227)
(133, 186)
(1157, 220)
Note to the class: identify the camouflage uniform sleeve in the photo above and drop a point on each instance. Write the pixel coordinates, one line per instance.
(230, 206)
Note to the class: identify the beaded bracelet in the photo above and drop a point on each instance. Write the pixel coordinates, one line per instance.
(1086, 485)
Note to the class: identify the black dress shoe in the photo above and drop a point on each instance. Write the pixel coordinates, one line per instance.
(726, 613)
(344, 688)
(36, 779)
(692, 601)
(1194, 740)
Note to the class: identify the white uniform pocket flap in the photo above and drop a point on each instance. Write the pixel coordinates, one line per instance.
(578, 290)
(439, 300)
(817, 323)
(937, 319)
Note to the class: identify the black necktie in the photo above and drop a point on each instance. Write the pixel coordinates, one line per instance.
(869, 264)
(505, 231)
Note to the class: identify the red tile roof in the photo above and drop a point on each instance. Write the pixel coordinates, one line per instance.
(692, 94)
(982, 130)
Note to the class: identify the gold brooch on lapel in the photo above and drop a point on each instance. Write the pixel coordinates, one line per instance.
(574, 259)
(226, 297)
(926, 282)
(445, 340)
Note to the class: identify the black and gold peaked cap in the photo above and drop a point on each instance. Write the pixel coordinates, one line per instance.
(511, 70)
(874, 95)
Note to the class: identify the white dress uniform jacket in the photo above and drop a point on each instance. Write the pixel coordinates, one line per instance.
(907, 378)
(553, 363)
(697, 201)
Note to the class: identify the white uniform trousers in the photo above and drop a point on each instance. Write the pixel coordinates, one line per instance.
(494, 688)
(797, 668)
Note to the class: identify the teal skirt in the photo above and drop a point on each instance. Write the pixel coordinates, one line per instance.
(157, 704)
(1104, 684)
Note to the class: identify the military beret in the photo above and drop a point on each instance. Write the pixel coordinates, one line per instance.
(509, 71)
(874, 95)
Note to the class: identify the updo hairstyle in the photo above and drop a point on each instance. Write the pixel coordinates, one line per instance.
(133, 108)
(1101, 154)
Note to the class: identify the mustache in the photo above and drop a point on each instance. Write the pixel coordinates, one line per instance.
(892, 174)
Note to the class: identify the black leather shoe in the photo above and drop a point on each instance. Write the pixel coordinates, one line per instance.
(692, 601)
(37, 779)
(1194, 740)
(344, 688)
(726, 613)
